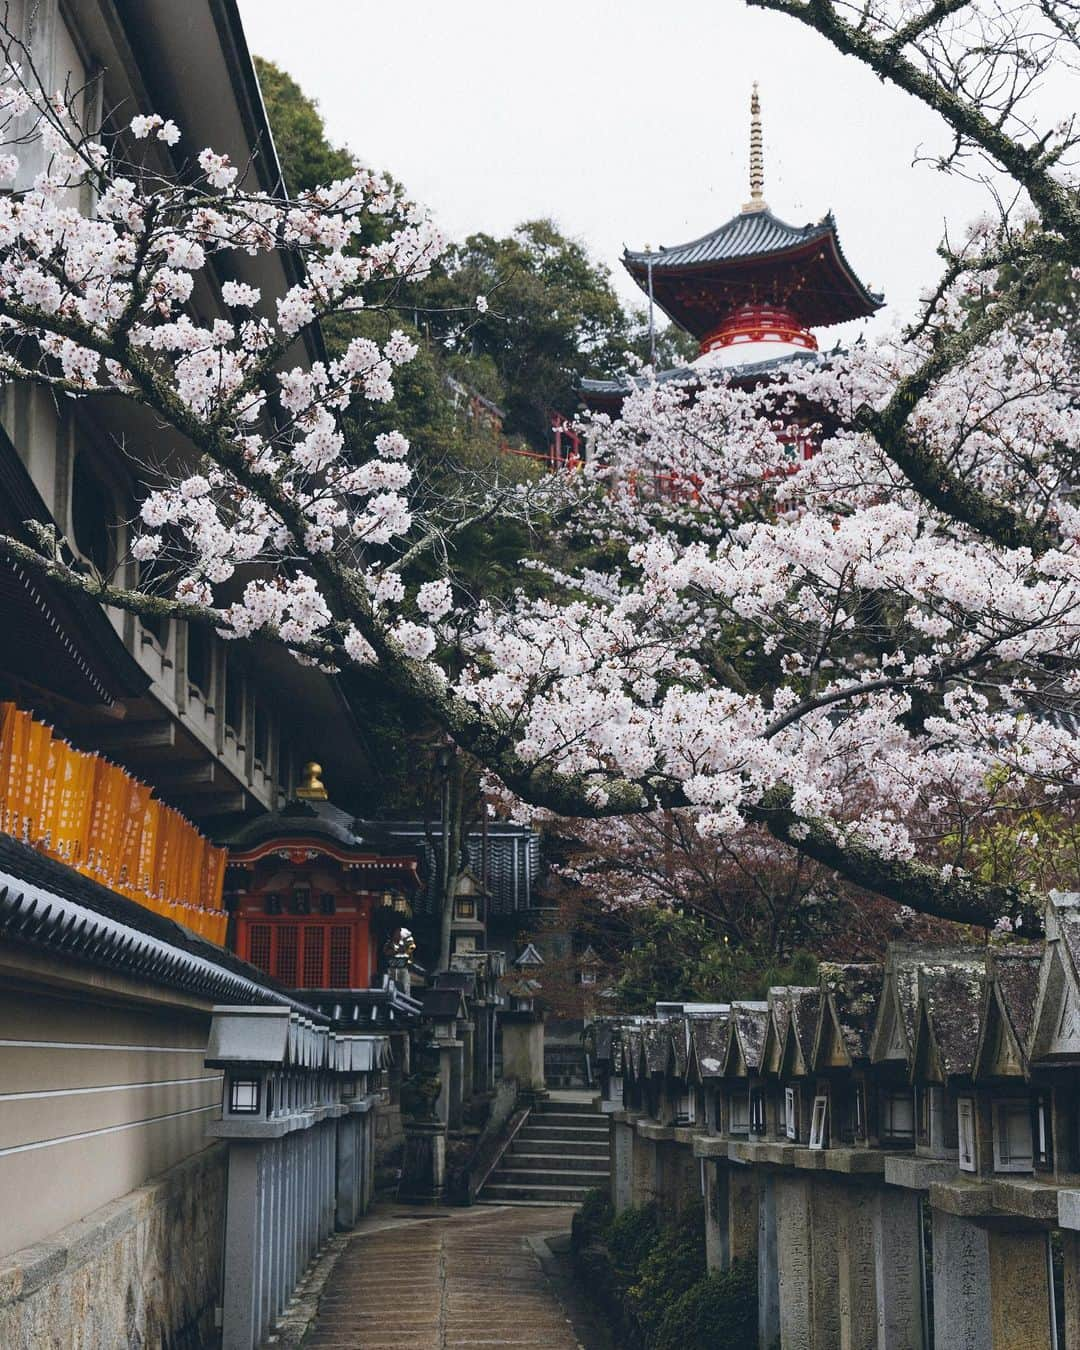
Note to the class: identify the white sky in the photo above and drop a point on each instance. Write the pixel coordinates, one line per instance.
(626, 121)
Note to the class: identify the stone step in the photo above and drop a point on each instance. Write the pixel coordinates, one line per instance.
(578, 1125)
(553, 1195)
(564, 1131)
(528, 1161)
(481, 1199)
(519, 1176)
(558, 1148)
(578, 1120)
(565, 1108)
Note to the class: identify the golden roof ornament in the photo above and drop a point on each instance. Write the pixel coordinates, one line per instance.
(757, 200)
(312, 788)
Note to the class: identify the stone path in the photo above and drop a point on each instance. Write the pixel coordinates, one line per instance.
(469, 1278)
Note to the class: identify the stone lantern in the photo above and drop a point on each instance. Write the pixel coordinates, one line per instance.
(523, 1027)
(466, 926)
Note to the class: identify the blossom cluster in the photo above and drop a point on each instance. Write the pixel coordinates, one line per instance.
(782, 607)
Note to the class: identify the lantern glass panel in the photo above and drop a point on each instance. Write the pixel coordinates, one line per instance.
(791, 1114)
(244, 1097)
(1012, 1136)
(965, 1120)
(897, 1118)
(740, 1111)
(817, 1122)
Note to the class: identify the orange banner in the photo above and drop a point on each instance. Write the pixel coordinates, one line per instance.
(99, 819)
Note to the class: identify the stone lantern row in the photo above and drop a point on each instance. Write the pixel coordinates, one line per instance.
(897, 1148)
(296, 1112)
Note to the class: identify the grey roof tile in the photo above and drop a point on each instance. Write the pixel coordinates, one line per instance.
(747, 235)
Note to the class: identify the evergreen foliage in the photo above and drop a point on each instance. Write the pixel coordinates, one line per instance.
(629, 1238)
(680, 957)
(672, 1266)
(653, 1279)
(716, 1313)
(593, 1216)
(553, 317)
(307, 158)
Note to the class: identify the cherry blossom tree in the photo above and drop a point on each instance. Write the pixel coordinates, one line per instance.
(829, 649)
(761, 896)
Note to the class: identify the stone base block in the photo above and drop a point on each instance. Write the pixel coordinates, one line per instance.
(1019, 1290)
(423, 1174)
(961, 1283)
(897, 1269)
(114, 1278)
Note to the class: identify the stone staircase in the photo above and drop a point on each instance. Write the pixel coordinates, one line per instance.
(560, 1152)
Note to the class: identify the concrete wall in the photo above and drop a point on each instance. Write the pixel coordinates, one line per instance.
(114, 1279)
(95, 1098)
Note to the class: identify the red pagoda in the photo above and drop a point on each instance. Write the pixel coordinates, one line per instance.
(751, 291)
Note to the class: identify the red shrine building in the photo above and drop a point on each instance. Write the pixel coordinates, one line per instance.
(314, 903)
(751, 292)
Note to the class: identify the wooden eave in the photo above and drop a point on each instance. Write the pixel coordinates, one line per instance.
(811, 278)
(296, 848)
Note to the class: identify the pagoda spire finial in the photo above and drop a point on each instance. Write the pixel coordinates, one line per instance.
(757, 157)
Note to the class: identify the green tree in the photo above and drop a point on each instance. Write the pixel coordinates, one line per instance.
(553, 317)
(680, 957)
(306, 155)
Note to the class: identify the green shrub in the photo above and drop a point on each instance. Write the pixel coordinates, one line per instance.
(717, 1313)
(629, 1238)
(593, 1217)
(674, 1263)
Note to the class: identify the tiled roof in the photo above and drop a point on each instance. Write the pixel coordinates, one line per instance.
(805, 1004)
(952, 994)
(1016, 972)
(710, 1041)
(751, 1021)
(47, 905)
(747, 235)
(513, 861)
(854, 991)
(698, 376)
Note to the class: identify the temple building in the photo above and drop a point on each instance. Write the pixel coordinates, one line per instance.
(751, 292)
(315, 903)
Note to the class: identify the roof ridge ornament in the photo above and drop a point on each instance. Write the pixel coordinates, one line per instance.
(312, 789)
(757, 200)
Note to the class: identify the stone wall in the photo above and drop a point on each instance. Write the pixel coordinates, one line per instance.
(143, 1271)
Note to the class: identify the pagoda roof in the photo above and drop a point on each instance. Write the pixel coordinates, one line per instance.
(607, 395)
(750, 234)
(753, 258)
